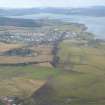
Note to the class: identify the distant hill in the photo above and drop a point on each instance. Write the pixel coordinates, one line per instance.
(29, 11)
(4, 21)
(89, 11)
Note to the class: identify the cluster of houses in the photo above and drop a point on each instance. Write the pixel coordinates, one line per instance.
(32, 37)
(6, 100)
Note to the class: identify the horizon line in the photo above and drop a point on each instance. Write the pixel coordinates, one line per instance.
(42, 7)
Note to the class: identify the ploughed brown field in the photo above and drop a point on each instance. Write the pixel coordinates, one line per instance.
(6, 47)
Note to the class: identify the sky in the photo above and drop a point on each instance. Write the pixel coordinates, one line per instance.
(49, 3)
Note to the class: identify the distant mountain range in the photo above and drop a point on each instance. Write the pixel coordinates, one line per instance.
(89, 11)
(4, 21)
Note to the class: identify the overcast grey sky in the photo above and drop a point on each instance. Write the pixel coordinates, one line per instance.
(49, 3)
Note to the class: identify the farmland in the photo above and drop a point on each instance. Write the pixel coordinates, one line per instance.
(13, 78)
(82, 78)
(59, 58)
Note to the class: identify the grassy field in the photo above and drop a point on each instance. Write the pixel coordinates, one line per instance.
(84, 81)
(19, 81)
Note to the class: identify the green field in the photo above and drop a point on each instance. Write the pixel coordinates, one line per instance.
(15, 81)
(83, 80)
(33, 72)
(80, 79)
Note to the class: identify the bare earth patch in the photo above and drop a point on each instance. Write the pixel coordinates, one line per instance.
(20, 87)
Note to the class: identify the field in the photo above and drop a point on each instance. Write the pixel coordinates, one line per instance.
(6, 47)
(83, 80)
(41, 54)
(23, 81)
(77, 79)
(80, 79)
